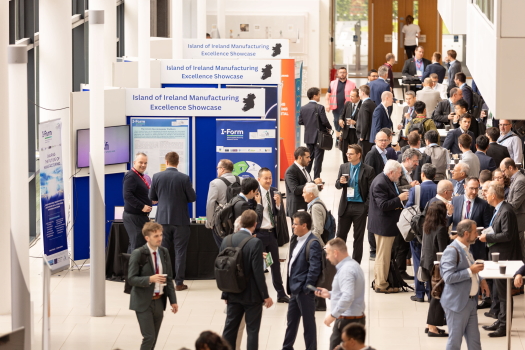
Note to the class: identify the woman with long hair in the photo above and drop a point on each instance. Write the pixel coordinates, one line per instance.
(209, 340)
(499, 177)
(435, 239)
(411, 32)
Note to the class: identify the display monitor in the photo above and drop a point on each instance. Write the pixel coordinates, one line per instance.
(116, 146)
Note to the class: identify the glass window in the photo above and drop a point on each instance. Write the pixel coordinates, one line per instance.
(487, 7)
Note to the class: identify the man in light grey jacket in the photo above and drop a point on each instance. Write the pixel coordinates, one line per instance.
(429, 96)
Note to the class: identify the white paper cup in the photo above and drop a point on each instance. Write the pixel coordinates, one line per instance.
(439, 256)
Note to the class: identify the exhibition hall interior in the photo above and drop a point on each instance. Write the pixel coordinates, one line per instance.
(248, 174)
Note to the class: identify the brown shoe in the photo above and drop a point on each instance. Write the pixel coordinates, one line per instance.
(180, 287)
(409, 263)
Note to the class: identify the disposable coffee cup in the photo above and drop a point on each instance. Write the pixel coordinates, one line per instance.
(455, 156)
(456, 161)
(439, 255)
(447, 127)
(347, 176)
(502, 269)
(300, 209)
(495, 257)
(480, 261)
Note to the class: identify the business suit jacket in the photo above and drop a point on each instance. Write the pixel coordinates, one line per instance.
(435, 68)
(377, 87)
(481, 213)
(294, 181)
(497, 152)
(364, 181)
(409, 68)
(374, 159)
(485, 162)
(304, 272)
(440, 114)
(516, 199)
(348, 112)
(380, 120)
(310, 115)
(461, 190)
(416, 173)
(173, 190)
(430, 97)
(405, 121)
(451, 141)
(434, 242)
(452, 70)
(242, 205)
(506, 234)
(385, 207)
(256, 290)
(217, 194)
(142, 291)
(275, 211)
(474, 128)
(467, 94)
(364, 120)
(428, 190)
(473, 161)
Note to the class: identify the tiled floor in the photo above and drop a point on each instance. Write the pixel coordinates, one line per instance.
(393, 321)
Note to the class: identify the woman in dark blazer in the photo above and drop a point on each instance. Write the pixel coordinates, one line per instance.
(500, 178)
(435, 239)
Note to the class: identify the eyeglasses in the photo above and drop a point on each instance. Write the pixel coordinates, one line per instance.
(383, 140)
(503, 124)
(351, 154)
(219, 167)
(498, 177)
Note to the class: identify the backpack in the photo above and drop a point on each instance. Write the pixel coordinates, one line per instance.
(329, 225)
(477, 105)
(405, 219)
(142, 261)
(229, 267)
(439, 158)
(327, 269)
(420, 127)
(395, 280)
(232, 189)
(223, 221)
(416, 224)
(436, 281)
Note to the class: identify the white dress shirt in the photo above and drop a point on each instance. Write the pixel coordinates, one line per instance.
(474, 287)
(300, 242)
(266, 223)
(303, 170)
(158, 286)
(407, 174)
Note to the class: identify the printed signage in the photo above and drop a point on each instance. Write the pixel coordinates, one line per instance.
(236, 48)
(195, 102)
(220, 71)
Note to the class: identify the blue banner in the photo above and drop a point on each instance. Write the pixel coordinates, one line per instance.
(298, 93)
(251, 144)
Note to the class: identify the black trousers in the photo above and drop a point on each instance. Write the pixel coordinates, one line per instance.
(499, 301)
(410, 50)
(339, 325)
(269, 241)
(149, 322)
(372, 242)
(400, 250)
(134, 224)
(234, 314)
(317, 156)
(350, 139)
(366, 146)
(176, 239)
(355, 214)
(436, 314)
(301, 305)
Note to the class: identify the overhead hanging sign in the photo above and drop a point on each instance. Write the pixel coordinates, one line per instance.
(220, 71)
(236, 48)
(195, 102)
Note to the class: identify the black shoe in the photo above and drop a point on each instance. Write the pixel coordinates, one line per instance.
(320, 308)
(485, 304)
(266, 271)
(441, 331)
(492, 327)
(284, 299)
(336, 142)
(500, 332)
(406, 276)
(419, 300)
(372, 256)
(490, 314)
(432, 334)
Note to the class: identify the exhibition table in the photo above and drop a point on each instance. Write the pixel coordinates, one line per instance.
(491, 271)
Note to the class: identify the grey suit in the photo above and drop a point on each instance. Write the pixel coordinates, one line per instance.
(217, 194)
(516, 198)
(452, 70)
(473, 162)
(430, 97)
(149, 312)
(174, 192)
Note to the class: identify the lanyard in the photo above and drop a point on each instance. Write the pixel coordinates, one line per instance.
(141, 177)
(353, 178)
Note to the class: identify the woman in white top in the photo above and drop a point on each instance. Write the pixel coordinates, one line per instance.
(411, 32)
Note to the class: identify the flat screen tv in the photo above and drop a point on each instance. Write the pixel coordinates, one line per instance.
(116, 146)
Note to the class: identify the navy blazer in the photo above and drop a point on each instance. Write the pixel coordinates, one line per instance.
(304, 272)
(497, 152)
(380, 120)
(461, 190)
(377, 87)
(385, 207)
(310, 115)
(428, 191)
(481, 212)
(435, 68)
(451, 142)
(485, 162)
(467, 94)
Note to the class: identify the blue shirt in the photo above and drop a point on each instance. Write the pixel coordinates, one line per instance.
(382, 153)
(348, 289)
(458, 185)
(243, 196)
(312, 203)
(495, 212)
(354, 182)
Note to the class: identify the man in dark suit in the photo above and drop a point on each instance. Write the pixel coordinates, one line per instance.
(301, 273)
(415, 66)
(151, 279)
(249, 198)
(485, 161)
(414, 142)
(459, 176)
(386, 204)
(451, 142)
(516, 196)
(173, 190)
(461, 81)
(249, 302)
(348, 121)
(444, 112)
(435, 67)
(505, 241)
(354, 178)
(377, 87)
(313, 117)
(364, 119)
(376, 158)
(409, 112)
(495, 150)
(295, 178)
(381, 117)
(461, 109)
(453, 66)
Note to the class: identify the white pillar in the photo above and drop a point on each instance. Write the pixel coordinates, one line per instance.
(5, 205)
(177, 10)
(131, 13)
(201, 19)
(18, 171)
(144, 43)
(110, 36)
(221, 19)
(97, 227)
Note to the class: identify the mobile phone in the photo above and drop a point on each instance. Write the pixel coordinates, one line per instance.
(312, 288)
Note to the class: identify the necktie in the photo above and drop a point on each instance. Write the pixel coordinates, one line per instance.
(353, 109)
(456, 188)
(156, 267)
(383, 155)
(467, 212)
(397, 190)
(270, 213)
(306, 175)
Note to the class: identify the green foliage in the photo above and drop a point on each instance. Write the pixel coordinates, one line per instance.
(351, 10)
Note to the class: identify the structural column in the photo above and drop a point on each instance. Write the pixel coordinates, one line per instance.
(144, 43)
(221, 19)
(110, 36)
(19, 187)
(177, 10)
(131, 15)
(201, 19)
(97, 217)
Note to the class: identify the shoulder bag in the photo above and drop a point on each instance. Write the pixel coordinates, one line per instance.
(325, 139)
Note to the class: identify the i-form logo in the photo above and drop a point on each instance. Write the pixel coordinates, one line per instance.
(231, 132)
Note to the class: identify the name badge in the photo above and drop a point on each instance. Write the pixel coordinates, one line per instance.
(350, 192)
(419, 73)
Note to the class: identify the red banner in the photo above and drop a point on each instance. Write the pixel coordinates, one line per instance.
(287, 119)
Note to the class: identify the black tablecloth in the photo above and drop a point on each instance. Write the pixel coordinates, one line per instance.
(200, 257)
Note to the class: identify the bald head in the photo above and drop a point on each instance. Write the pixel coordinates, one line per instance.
(428, 82)
(445, 189)
(382, 140)
(387, 98)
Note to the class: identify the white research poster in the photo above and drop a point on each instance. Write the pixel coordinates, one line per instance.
(236, 48)
(182, 102)
(157, 136)
(220, 71)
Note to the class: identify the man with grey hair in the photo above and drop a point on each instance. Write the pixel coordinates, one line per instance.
(410, 160)
(510, 140)
(379, 86)
(444, 113)
(381, 116)
(409, 112)
(459, 174)
(317, 212)
(429, 96)
(386, 204)
(137, 204)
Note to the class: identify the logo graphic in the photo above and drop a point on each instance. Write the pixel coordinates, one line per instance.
(248, 102)
(247, 168)
(267, 72)
(276, 50)
(106, 147)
